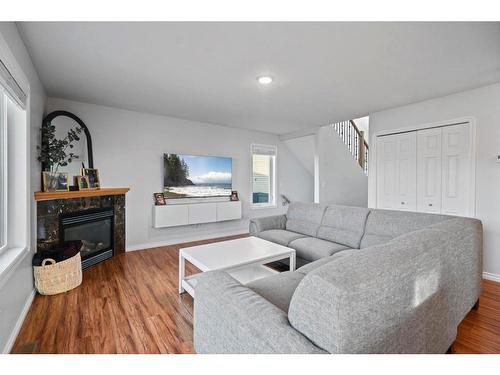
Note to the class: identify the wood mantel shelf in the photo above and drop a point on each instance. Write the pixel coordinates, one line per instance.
(50, 195)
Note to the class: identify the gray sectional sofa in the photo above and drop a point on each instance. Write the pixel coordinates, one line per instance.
(371, 281)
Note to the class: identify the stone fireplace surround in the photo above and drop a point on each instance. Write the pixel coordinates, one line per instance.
(51, 205)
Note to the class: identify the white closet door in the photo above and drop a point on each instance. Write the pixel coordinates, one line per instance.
(456, 165)
(429, 170)
(386, 171)
(396, 172)
(406, 189)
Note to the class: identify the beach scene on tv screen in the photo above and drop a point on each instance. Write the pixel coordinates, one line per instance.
(191, 176)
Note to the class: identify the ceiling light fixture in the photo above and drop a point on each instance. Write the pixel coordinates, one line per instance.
(264, 80)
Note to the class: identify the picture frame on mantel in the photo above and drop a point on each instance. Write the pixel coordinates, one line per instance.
(93, 176)
(82, 182)
(55, 181)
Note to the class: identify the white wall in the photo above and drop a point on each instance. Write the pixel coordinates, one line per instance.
(483, 104)
(16, 285)
(128, 150)
(341, 180)
(303, 148)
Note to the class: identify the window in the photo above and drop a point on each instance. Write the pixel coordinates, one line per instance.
(263, 176)
(3, 169)
(14, 154)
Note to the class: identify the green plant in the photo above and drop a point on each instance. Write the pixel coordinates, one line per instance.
(53, 151)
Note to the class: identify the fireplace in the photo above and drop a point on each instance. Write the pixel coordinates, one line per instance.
(94, 229)
(93, 220)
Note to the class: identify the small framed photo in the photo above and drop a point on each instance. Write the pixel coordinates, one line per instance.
(93, 176)
(82, 182)
(159, 199)
(57, 182)
(234, 196)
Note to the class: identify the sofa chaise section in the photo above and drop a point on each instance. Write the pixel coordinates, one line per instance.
(232, 318)
(399, 297)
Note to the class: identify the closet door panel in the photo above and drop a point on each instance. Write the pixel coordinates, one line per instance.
(456, 170)
(406, 161)
(429, 170)
(386, 172)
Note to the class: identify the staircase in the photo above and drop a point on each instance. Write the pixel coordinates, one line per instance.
(354, 140)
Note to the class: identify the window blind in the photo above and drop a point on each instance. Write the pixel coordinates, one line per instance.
(11, 85)
(264, 150)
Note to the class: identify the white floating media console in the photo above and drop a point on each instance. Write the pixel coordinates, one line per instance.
(176, 214)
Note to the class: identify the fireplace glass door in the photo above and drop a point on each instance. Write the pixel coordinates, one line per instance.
(93, 231)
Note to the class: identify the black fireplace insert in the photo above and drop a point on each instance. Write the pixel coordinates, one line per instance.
(94, 228)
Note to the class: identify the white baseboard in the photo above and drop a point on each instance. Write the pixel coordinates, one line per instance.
(491, 276)
(19, 323)
(179, 240)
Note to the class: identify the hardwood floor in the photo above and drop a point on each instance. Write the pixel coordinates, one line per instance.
(127, 304)
(130, 304)
(479, 332)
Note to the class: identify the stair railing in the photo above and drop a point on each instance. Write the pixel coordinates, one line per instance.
(355, 141)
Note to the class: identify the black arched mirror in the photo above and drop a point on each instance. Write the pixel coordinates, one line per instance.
(63, 121)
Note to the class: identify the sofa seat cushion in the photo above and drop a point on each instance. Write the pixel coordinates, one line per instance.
(310, 248)
(344, 225)
(304, 218)
(277, 289)
(280, 236)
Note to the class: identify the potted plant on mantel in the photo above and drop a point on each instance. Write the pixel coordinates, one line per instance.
(53, 152)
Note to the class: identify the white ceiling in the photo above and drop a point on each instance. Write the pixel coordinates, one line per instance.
(207, 72)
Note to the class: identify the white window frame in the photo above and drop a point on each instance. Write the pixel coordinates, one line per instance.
(16, 229)
(3, 170)
(274, 174)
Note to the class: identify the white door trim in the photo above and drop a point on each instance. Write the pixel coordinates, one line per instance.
(472, 139)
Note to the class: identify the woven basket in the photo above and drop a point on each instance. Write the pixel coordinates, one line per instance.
(59, 277)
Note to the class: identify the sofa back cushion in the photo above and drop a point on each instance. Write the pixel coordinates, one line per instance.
(384, 225)
(344, 225)
(390, 298)
(304, 218)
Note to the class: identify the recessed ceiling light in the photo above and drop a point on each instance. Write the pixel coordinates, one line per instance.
(265, 80)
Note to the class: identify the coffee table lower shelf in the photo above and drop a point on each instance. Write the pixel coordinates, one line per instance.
(243, 275)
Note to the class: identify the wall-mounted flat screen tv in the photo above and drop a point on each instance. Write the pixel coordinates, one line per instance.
(191, 176)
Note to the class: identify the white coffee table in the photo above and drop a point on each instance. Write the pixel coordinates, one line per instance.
(243, 259)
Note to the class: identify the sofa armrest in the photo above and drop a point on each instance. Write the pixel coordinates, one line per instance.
(231, 318)
(260, 224)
